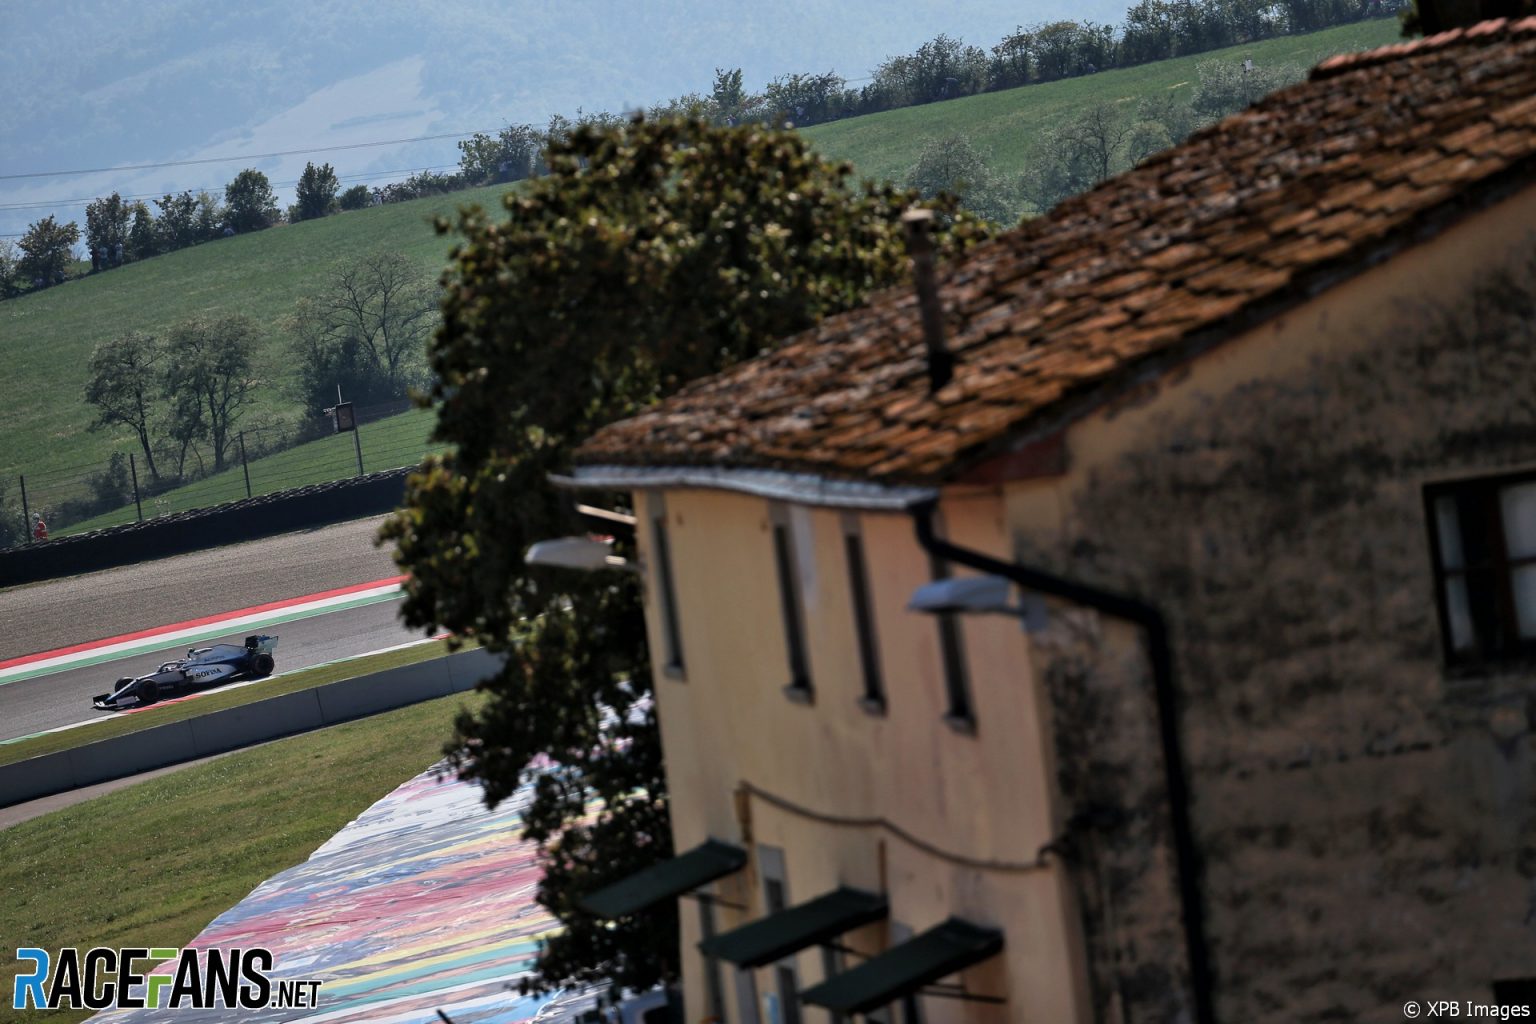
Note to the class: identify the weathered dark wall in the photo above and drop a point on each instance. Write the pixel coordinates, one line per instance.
(230, 523)
(1366, 818)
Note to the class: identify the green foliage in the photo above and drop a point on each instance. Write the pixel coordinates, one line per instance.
(316, 192)
(952, 164)
(650, 255)
(106, 223)
(249, 202)
(208, 375)
(1079, 154)
(185, 220)
(358, 197)
(1227, 86)
(142, 242)
(514, 154)
(728, 95)
(10, 268)
(367, 330)
(804, 99)
(124, 379)
(47, 249)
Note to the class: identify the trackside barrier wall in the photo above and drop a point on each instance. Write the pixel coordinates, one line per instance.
(197, 530)
(233, 728)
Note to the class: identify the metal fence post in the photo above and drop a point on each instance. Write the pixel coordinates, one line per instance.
(357, 440)
(133, 467)
(26, 513)
(244, 465)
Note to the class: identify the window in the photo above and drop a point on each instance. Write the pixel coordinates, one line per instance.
(863, 615)
(657, 507)
(1483, 539)
(790, 604)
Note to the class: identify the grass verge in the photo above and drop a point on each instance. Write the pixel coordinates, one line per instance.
(304, 679)
(153, 864)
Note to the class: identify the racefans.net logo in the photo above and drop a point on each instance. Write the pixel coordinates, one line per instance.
(204, 979)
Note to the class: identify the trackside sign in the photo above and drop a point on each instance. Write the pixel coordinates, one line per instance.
(103, 978)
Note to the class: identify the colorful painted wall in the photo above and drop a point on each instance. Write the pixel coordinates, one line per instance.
(425, 902)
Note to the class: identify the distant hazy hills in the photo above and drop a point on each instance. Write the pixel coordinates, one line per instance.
(93, 84)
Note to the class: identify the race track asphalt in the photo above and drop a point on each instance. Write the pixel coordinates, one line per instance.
(58, 613)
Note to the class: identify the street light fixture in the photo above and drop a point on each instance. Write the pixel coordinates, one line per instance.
(979, 595)
(583, 553)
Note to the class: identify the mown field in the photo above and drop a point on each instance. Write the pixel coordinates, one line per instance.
(46, 338)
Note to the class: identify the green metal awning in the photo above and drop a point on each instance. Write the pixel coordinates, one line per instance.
(704, 863)
(794, 928)
(902, 970)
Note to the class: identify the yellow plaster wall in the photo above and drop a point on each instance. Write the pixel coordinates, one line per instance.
(982, 797)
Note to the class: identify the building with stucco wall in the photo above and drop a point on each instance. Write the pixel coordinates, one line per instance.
(1250, 432)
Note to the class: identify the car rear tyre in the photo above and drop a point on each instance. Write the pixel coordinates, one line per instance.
(262, 666)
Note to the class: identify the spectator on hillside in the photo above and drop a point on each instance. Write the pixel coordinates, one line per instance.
(40, 531)
(117, 254)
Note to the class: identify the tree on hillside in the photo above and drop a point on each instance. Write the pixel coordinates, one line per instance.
(209, 361)
(181, 222)
(358, 197)
(10, 268)
(728, 96)
(651, 254)
(367, 330)
(513, 154)
(249, 202)
(143, 240)
(106, 223)
(123, 379)
(1077, 155)
(951, 164)
(47, 249)
(316, 192)
(1228, 86)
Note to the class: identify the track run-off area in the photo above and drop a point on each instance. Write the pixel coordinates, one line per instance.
(327, 594)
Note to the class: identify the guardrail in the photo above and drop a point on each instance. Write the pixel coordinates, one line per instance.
(233, 728)
(247, 519)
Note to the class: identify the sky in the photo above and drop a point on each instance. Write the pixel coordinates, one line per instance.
(381, 88)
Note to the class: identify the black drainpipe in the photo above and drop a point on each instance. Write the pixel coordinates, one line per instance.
(1160, 657)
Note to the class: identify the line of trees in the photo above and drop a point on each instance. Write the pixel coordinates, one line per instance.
(941, 69)
(118, 231)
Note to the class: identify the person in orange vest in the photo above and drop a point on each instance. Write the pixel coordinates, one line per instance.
(40, 531)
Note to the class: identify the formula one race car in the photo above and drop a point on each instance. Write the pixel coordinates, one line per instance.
(200, 669)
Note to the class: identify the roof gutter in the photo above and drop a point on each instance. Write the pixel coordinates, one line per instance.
(776, 485)
(1159, 655)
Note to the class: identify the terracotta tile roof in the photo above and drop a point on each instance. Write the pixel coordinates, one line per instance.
(1373, 153)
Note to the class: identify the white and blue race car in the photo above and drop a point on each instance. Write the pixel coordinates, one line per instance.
(201, 668)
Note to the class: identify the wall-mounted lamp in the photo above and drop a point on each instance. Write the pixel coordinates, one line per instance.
(581, 553)
(979, 595)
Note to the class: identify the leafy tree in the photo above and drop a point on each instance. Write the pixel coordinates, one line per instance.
(209, 362)
(803, 99)
(316, 192)
(358, 197)
(1075, 156)
(652, 253)
(951, 164)
(1227, 86)
(514, 154)
(367, 330)
(143, 238)
(47, 249)
(728, 95)
(106, 223)
(10, 268)
(123, 379)
(249, 202)
(180, 223)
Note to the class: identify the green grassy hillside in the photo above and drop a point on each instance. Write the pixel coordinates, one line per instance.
(1008, 123)
(47, 337)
